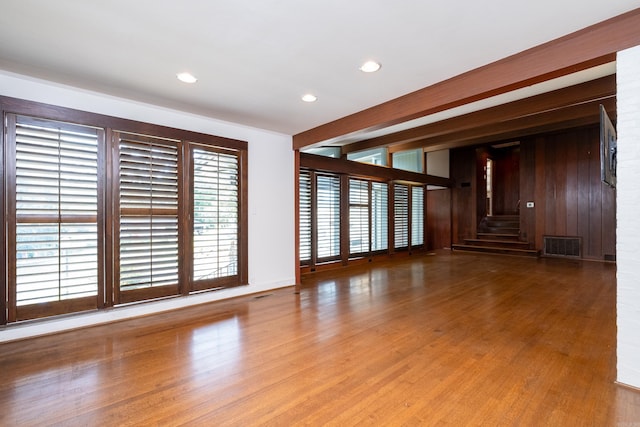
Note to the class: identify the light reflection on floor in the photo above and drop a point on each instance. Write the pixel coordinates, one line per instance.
(221, 342)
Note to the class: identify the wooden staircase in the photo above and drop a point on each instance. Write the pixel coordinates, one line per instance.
(498, 234)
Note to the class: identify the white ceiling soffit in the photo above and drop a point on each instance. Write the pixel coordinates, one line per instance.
(255, 59)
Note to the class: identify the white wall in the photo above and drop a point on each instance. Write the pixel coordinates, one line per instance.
(628, 216)
(437, 165)
(271, 213)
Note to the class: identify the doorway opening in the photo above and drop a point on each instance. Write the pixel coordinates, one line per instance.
(488, 178)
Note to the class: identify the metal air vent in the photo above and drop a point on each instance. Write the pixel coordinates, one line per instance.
(562, 246)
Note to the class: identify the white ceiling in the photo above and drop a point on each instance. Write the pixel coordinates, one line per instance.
(256, 58)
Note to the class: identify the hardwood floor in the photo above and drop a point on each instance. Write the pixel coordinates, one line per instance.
(447, 340)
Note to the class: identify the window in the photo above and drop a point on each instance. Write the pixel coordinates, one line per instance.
(333, 152)
(417, 216)
(328, 217)
(410, 160)
(91, 222)
(55, 204)
(343, 217)
(148, 220)
(215, 215)
(379, 216)
(368, 217)
(376, 156)
(305, 217)
(401, 216)
(408, 216)
(358, 216)
(319, 217)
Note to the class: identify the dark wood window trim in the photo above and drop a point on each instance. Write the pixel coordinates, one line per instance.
(305, 220)
(417, 210)
(328, 210)
(312, 165)
(108, 215)
(221, 182)
(372, 201)
(401, 216)
(359, 197)
(55, 211)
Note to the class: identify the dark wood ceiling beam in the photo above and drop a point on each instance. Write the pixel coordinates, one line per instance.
(436, 145)
(584, 92)
(577, 115)
(574, 52)
(328, 164)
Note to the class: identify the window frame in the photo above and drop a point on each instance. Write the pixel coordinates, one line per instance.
(346, 255)
(107, 172)
(362, 204)
(305, 227)
(370, 206)
(15, 312)
(318, 259)
(374, 213)
(225, 281)
(152, 292)
(417, 222)
(401, 211)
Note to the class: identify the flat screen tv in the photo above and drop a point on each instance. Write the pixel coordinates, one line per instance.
(608, 149)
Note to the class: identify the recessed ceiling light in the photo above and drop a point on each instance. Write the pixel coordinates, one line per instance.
(309, 97)
(370, 67)
(186, 77)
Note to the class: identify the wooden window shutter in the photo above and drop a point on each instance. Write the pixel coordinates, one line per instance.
(215, 217)
(56, 216)
(358, 217)
(305, 214)
(328, 217)
(379, 216)
(401, 216)
(148, 217)
(417, 216)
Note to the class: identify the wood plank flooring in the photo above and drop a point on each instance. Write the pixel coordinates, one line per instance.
(443, 340)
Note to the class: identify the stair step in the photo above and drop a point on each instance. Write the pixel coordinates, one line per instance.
(501, 230)
(500, 224)
(498, 243)
(496, 250)
(498, 236)
(507, 224)
(504, 217)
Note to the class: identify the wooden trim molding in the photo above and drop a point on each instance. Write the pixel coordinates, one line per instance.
(547, 121)
(296, 194)
(604, 87)
(583, 49)
(357, 169)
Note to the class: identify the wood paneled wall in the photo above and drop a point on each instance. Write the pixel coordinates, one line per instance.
(560, 173)
(438, 219)
(464, 194)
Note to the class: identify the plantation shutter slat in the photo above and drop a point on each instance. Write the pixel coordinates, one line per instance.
(328, 217)
(56, 210)
(148, 197)
(401, 215)
(305, 216)
(417, 216)
(216, 215)
(379, 216)
(358, 216)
